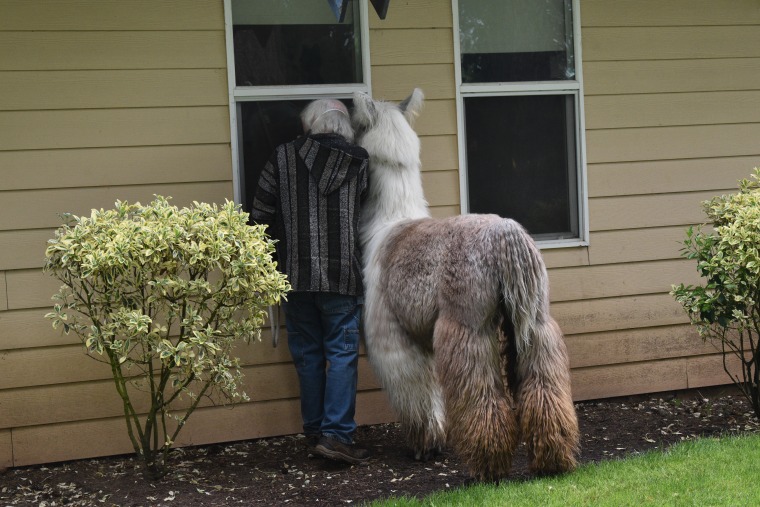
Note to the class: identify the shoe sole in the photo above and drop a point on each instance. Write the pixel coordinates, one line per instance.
(328, 453)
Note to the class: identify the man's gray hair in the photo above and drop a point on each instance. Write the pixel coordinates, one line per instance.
(327, 116)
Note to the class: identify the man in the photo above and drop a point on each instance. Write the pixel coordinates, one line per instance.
(310, 193)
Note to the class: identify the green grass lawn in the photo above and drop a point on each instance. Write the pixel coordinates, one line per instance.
(705, 472)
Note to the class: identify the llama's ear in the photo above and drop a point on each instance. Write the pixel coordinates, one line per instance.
(412, 105)
(364, 112)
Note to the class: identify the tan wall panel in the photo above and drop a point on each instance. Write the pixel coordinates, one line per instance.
(394, 82)
(656, 143)
(86, 439)
(30, 130)
(64, 402)
(632, 212)
(93, 167)
(656, 110)
(708, 370)
(636, 245)
(3, 292)
(575, 317)
(122, 50)
(6, 450)
(635, 345)
(441, 187)
(417, 14)
(564, 257)
(112, 89)
(23, 249)
(667, 43)
(444, 211)
(625, 379)
(670, 13)
(662, 76)
(34, 209)
(111, 15)
(663, 176)
(439, 153)
(411, 47)
(612, 280)
(30, 328)
(438, 117)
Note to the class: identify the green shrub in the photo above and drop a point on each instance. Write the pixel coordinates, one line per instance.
(162, 295)
(726, 310)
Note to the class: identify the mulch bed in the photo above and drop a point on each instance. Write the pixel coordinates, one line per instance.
(279, 471)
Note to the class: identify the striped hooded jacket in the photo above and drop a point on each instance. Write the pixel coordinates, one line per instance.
(309, 194)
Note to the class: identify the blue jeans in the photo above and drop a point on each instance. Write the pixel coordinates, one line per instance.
(323, 329)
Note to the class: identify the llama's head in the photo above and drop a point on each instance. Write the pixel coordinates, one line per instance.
(385, 130)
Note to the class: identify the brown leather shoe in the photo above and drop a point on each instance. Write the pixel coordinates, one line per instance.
(335, 449)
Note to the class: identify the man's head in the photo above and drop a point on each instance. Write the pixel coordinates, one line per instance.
(327, 116)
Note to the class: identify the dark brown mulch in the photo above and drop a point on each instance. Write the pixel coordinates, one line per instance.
(278, 471)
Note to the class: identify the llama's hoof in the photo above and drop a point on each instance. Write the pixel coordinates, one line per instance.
(427, 454)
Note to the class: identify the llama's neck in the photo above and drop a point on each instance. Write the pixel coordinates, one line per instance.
(395, 195)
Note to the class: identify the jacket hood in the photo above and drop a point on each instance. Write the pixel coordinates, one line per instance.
(331, 160)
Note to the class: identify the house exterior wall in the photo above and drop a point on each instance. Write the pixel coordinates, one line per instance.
(107, 99)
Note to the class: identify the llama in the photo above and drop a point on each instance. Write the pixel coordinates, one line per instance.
(457, 321)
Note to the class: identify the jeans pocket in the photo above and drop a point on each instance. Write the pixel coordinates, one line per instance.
(351, 339)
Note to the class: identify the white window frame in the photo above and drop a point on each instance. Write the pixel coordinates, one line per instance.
(567, 87)
(238, 94)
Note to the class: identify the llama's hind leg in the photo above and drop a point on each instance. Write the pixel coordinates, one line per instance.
(407, 372)
(547, 415)
(481, 420)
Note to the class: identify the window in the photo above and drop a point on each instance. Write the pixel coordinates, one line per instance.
(520, 101)
(282, 55)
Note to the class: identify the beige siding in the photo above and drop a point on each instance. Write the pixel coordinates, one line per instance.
(671, 95)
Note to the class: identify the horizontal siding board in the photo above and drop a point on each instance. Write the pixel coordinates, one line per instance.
(411, 47)
(657, 143)
(118, 50)
(111, 15)
(444, 211)
(110, 166)
(612, 280)
(31, 406)
(609, 314)
(36, 209)
(627, 379)
(438, 117)
(565, 257)
(417, 14)
(670, 43)
(396, 82)
(671, 109)
(6, 450)
(635, 345)
(641, 211)
(86, 439)
(439, 153)
(36, 90)
(3, 292)
(668, 176)
(708, 370)
(671, 13)
(636, 245)
(90, 128)
(30, 328)
(441, 187)
(23, 249)
(663, 76)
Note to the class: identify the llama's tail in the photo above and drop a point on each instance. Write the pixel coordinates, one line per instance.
(538, 367)
(525, 284)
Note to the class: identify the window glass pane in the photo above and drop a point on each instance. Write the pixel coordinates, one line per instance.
(295, 42)
(516, 40)
(521, 161)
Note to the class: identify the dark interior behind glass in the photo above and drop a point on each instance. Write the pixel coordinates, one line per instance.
(521, 161)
